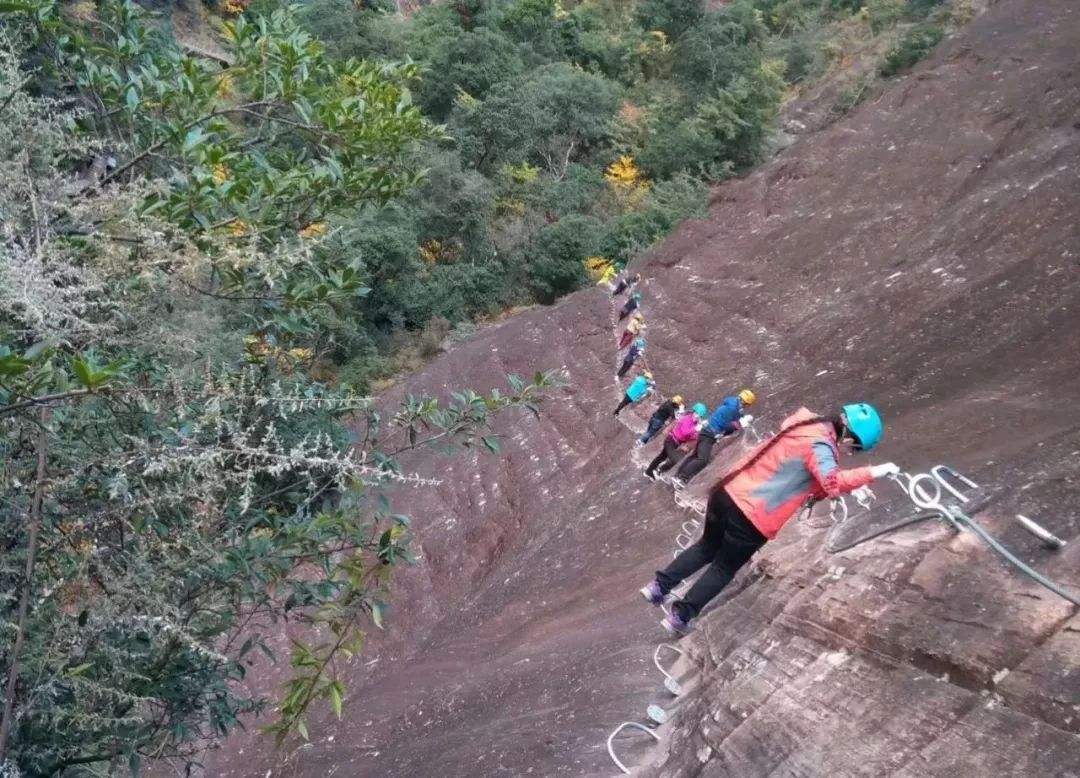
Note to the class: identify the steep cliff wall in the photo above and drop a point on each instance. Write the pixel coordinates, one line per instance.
(922, 254)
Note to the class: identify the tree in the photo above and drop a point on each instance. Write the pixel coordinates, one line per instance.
(672, 17)
(472, 62)
(556, 264)
(552, 116)
(176, 485)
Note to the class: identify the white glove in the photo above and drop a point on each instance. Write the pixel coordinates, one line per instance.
(880, 471)
(744, 420)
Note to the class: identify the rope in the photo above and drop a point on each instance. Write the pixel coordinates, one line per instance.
(932, 501)
(959, 517)
(905, 522)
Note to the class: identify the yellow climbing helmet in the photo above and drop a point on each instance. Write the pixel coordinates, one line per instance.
(677, 399)
(748, 397)
(648, 374)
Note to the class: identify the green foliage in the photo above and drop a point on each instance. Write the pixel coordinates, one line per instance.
(672, 17)
(668, 203)
(915, 44)
(883, 14)
(852, 95)
(472, 62)
(803, 58)
(554, 115)
(199, 487)
(557, 255)
(351, 32)
(920, 9)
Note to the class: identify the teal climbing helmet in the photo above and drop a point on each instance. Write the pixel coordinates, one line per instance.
(640, 342)
(700, 410)
(865, 424)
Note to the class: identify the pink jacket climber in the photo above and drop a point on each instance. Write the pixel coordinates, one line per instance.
(685, 429)
(801, 464)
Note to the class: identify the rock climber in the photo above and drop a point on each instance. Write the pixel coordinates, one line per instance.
(635, 327)
(667, 411)
(751, 503)
(685, 431)
(640, 388)
(630, 306)
(637, 349)
(625, 284)
(727, 419)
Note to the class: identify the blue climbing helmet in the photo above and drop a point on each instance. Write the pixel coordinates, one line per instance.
(700, 410)
(865, 424)
(637, 296)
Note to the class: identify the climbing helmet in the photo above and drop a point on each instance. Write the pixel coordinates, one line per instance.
(865, 425)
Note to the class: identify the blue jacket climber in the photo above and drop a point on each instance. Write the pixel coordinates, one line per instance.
(724, 420)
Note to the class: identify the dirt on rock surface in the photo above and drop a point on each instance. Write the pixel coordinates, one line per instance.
(924, 255)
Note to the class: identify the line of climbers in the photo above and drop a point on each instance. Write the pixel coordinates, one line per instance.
(748, 505)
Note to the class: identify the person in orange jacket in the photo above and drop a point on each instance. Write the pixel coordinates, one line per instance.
(751, 503)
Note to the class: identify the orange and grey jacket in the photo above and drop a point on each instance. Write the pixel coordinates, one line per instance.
(801, 465)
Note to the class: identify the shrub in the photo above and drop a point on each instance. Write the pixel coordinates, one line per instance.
(433, 335)
(472, 62)
(673, 17)
(912, 47)
(920, 9)
(851, 95)
(883, 14)
(559, 251)
(802, 59)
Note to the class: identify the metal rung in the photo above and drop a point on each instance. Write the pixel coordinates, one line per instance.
(670, 682)
(937, 473)
(1049, 539)
(620, 728)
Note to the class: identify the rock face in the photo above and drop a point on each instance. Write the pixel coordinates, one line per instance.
(924, 255)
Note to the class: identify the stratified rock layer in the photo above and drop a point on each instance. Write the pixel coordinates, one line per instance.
(922, 254)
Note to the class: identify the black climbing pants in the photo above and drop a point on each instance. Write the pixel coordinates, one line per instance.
(655, 425)
(696, 462)
(623, 403)
(727, 543)
(626, 365)
(668, 457)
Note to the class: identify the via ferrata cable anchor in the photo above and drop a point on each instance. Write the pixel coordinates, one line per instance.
(925, 490)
